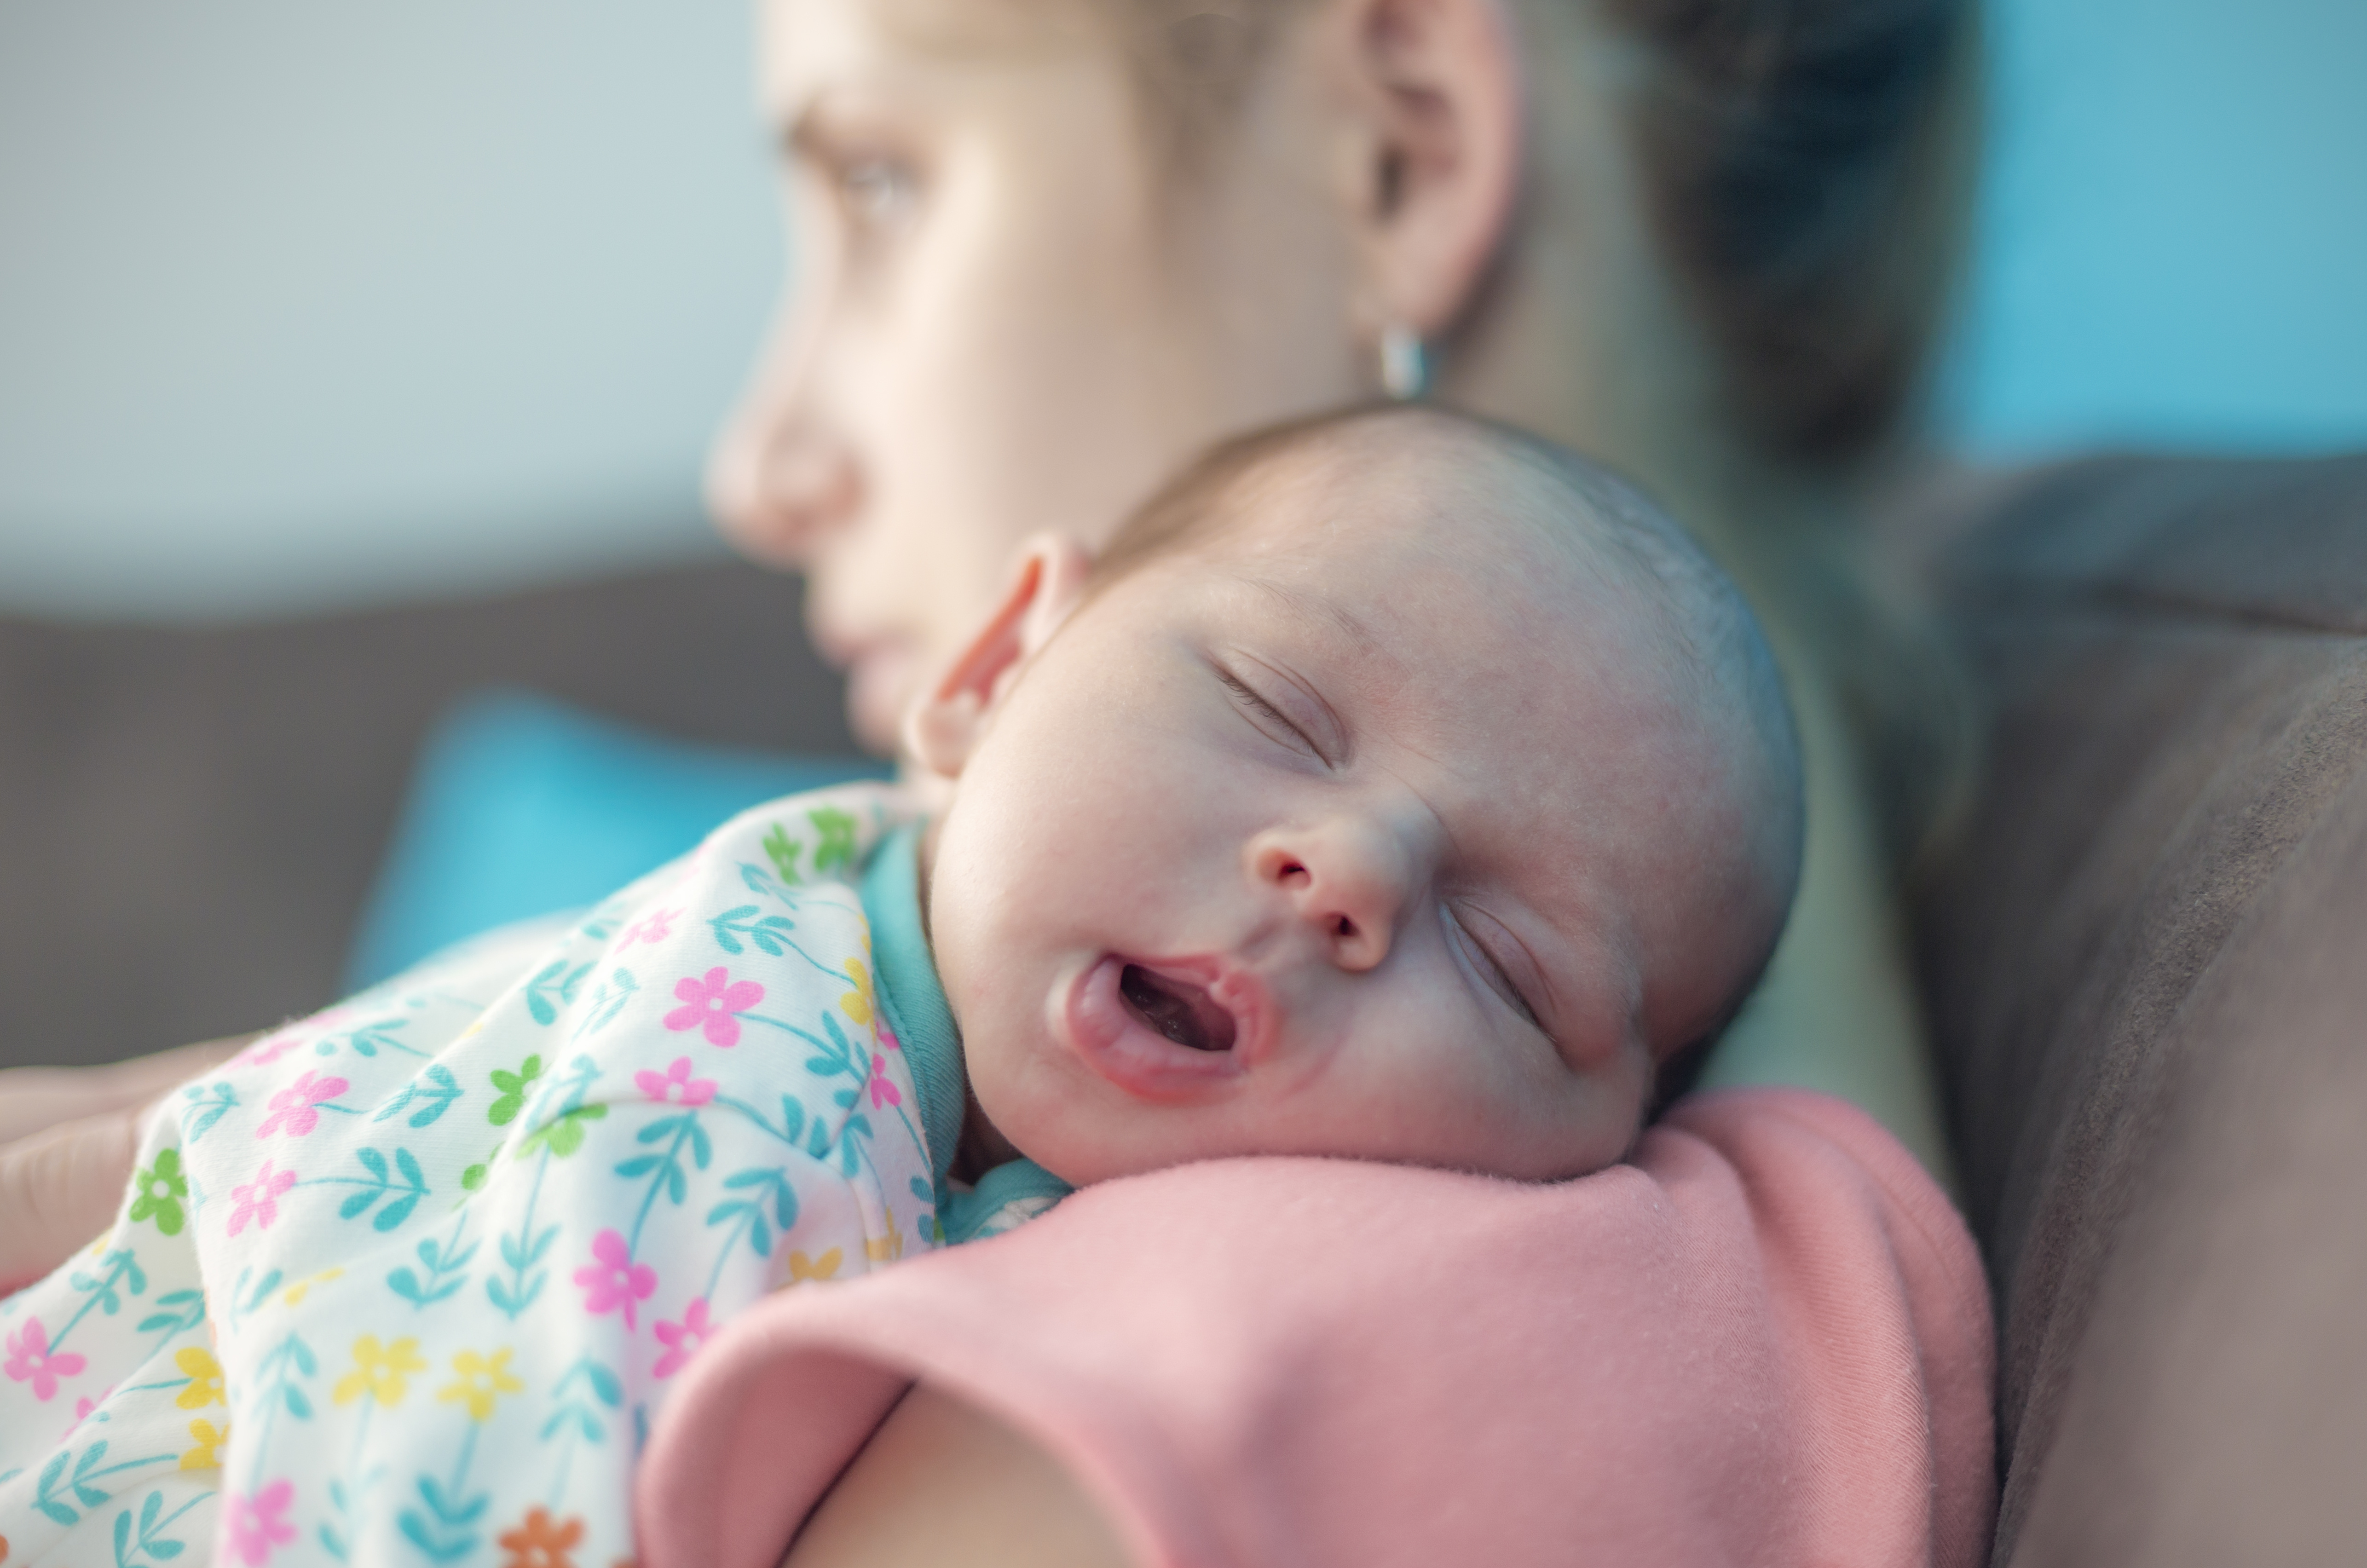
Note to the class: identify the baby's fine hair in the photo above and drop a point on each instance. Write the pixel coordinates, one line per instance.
(1697, 622)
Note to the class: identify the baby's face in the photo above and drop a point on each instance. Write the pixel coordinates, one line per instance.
(1335, 836)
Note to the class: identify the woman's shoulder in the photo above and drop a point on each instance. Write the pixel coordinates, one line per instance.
(1639, 1358)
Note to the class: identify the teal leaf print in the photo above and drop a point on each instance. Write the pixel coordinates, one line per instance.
(208, 1103)
(289, 1359)
(188, 1311)
(445, 1536)
(122, 1268)
(369, 1039)
(749, 1210)
(556, 980)
(151, 1540)
(82, 1485)
(440, 1261)
(768, 934)
(607, 1002)
(413, 1187)
(439, 1091)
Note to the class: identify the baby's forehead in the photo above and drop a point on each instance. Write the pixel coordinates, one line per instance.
(1420, 545)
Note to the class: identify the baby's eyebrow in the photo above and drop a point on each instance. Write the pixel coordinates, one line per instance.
(1316, 607)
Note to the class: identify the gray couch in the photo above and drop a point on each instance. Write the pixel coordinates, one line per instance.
(2144, 949)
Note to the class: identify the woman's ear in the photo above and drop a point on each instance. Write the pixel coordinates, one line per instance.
(945, 726)
(1437, 131)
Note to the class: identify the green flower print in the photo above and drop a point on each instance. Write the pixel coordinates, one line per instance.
(782, 850)
(503, 1111)
(564, 1133)
(160, 1190)
(837, 830)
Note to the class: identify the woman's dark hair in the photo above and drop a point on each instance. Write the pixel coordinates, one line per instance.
(1803, 169)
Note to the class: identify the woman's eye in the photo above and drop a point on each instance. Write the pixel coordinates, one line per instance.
(875, 193)
(1491, 972)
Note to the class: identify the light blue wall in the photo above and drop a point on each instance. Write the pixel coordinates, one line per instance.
(2173, 240)
(310, 301)
(314, 302)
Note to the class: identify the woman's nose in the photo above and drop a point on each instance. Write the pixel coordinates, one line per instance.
(778, 485)
(1347, 882)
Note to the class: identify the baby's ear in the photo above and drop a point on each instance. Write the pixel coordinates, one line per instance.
(945, 726)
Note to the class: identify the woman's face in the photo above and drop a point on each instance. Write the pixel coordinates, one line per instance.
(1006, 312)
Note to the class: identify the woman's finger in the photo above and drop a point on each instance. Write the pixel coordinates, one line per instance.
(35, 1098)
(59, 1188)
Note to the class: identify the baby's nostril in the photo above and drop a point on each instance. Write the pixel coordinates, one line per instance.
(1345, 929)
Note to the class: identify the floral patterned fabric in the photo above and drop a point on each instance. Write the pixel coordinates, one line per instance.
(406, 1281)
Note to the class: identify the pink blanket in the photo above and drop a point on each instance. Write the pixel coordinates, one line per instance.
(1765, 1340)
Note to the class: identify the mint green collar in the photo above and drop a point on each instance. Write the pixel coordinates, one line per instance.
(909, 990)
(914, 1001)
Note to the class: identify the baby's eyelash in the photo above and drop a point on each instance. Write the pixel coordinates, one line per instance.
(1262, 708)
(1499, 980)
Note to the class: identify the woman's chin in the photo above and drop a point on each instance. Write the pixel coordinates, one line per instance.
(879, 685)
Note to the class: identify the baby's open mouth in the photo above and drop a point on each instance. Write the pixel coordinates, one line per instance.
(1178, 1009)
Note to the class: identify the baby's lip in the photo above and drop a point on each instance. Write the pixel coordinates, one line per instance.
(1167, 1028)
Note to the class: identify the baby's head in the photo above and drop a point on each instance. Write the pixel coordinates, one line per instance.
(1395, 787)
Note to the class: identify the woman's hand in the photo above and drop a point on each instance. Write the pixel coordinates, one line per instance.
(67, 1136)
(994, 1497)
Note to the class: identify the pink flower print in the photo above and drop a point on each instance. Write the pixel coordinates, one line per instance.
(31, 1360)
(83, 1407)
(711, 1002)
(683, 1339)
(616, 1279)
(260, 1199)
(676, 1085)
(258, 1522)
(270, 1048)
(650, 928)
(883, 1091)
(291, 1107)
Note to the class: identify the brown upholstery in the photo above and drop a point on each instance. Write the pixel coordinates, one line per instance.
(2147, 961)
(189, 819)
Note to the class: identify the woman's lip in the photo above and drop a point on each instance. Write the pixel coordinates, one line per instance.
(1118, 1045)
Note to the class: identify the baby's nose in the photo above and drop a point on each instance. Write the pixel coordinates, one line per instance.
(1346, 883)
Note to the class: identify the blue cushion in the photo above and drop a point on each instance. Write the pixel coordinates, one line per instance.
(521, 806)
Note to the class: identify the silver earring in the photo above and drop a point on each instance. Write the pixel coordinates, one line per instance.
(1405, 363)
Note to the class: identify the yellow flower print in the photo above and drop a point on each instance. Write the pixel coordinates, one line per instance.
(886, 1248)
(478, 1380)
(205, 1379)
(209, 1440)
(379, 1372)
(802, 1268)
(859, 1004)
(302, 1288)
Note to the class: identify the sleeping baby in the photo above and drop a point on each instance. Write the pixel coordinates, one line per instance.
(1394, 787)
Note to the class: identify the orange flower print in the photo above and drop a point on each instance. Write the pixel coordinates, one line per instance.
(541, 1541)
